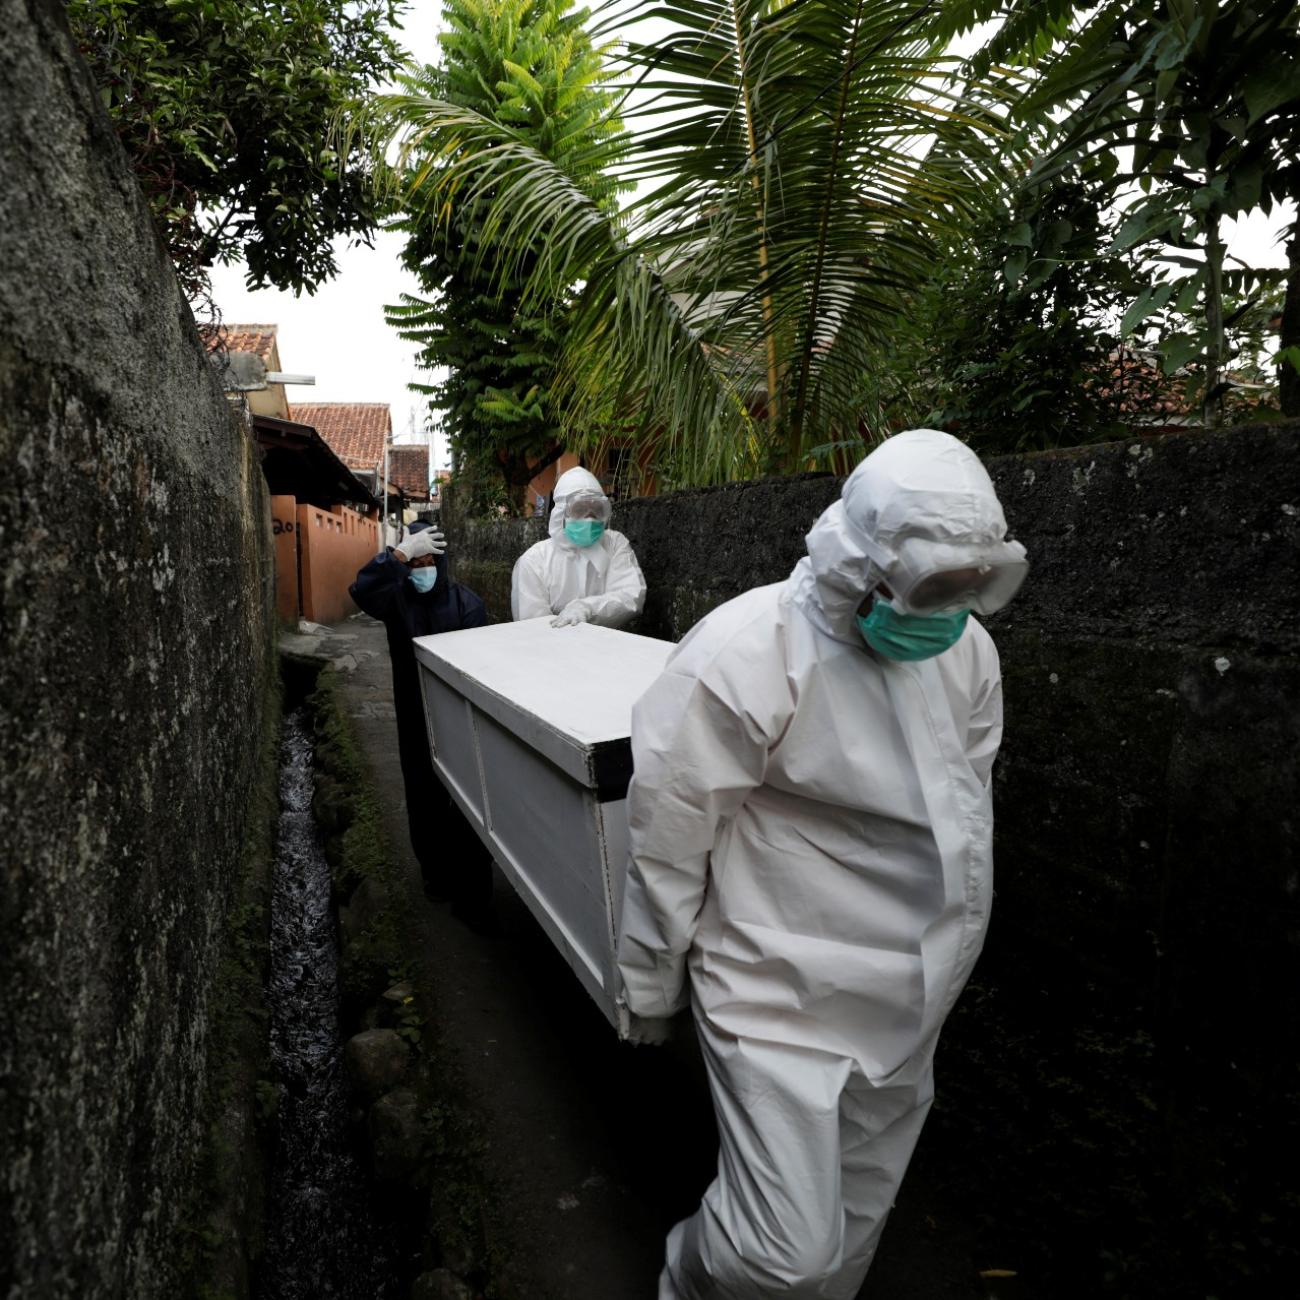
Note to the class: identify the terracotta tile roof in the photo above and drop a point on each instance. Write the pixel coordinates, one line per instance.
(355, 431)
(408, 469)
(258, 339)
(1144, 389)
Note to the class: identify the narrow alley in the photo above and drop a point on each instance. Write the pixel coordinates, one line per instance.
(593, 1148)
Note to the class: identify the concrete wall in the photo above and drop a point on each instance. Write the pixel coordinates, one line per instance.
(1146, 932)
(284, 527)
(137, 614)
(332, 546)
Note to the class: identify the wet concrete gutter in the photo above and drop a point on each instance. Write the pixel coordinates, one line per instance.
(325, 1241)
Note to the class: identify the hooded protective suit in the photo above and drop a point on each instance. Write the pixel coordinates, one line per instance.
(811, 838)
(601, 582)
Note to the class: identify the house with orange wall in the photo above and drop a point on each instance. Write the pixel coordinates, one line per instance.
(623, 470)
(324, 523)
(324, 516)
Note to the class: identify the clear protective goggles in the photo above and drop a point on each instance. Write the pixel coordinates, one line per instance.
(939, 578)
(588, 505)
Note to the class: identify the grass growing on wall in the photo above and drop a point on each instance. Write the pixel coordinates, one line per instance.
(461, 1218)
(356, 846)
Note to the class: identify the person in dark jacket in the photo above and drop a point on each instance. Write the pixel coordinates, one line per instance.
(407, 588)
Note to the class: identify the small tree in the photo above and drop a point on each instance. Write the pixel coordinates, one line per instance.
(1022, 326)
(1206, 96)
(529, 65)
(225, 108)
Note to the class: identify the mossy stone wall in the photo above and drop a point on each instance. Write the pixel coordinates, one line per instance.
(137, 676)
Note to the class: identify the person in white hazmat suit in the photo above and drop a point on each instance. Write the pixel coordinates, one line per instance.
(584, 572)
(811, 833)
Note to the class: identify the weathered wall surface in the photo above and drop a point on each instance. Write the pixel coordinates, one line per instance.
(1133, 1002)
(1137, 1059)
(137, 612)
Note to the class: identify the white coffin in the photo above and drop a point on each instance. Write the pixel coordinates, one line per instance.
(529, 727)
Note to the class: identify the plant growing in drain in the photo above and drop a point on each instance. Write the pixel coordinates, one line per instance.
(409, 1021)
(406, 1013)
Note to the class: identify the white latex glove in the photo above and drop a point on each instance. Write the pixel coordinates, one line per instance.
(428, 541)
(573, 613)
(649, 1031)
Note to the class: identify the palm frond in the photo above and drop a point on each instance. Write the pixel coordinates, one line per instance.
(795, 164)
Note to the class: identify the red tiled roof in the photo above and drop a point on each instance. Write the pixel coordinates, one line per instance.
(258, 339)
(408, 469)
(1143, 389)
(355, 431)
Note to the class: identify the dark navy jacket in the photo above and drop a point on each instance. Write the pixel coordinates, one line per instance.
(382, 590)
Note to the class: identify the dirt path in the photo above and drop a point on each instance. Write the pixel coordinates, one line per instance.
(594, 1148)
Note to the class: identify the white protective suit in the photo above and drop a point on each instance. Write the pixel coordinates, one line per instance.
(604, 578)
(811, 837)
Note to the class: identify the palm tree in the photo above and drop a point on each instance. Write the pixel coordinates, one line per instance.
(793, 163)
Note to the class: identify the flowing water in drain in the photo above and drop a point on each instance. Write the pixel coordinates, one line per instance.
(323, 1240)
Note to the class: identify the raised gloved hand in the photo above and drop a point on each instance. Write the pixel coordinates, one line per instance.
(428, 541)
(649, 1031)
(573, 613)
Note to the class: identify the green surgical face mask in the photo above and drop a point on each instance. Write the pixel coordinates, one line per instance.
(910, 636)
(583, 532)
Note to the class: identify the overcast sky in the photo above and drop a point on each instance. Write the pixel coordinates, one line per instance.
(339, 334)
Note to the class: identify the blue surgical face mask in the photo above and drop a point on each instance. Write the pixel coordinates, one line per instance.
(910, 636)
(583, 532)
(423, 579)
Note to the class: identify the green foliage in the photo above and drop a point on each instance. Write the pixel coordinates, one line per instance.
(804, 172)
(1024, 344)
(787, 209)
(1204, 94)
(364, 852)
(225, 109)
(528, 65)
(1252, 355)
(410, 1023)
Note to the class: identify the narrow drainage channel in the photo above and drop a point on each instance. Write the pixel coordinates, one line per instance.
(324, 1240)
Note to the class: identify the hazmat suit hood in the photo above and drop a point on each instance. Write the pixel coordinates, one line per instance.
(922, 488)
(570, 483)
(599, 583)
